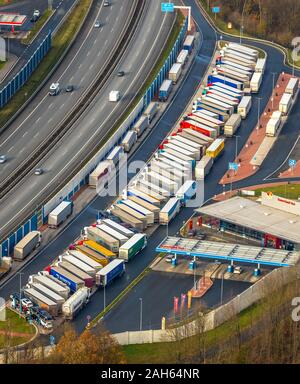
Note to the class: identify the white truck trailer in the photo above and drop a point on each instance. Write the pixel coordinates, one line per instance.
(141, 125)
(129, 140)
(78, 263)
(256, 81)
(151, 110)
(244, 106)
(150, 207)
(293, 86)
(115, 156)
(175, 72)
(101, 237)
(182, 58)
(140, 209)
(232, 124)
(60, 214)
(100, 176)
(74, 304)
(29, 242)
(85, 259)
(127, 218)
(133, 246)
(285, 103)
(48, 281)
(203, 167)
(118, 227)
(114, 233)
(187, 191)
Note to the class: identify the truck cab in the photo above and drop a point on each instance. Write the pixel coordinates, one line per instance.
(54, 89)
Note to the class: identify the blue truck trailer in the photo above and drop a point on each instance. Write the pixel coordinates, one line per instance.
(73, 282)
(107, 274)
(165, 90)
(225, 80)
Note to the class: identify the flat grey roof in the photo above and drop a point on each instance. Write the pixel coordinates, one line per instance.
(226, 251)
(249, 213)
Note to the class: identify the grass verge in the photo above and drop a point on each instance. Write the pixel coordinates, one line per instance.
(15, 324)
(288, 190)
(59, 44)
(37, 26)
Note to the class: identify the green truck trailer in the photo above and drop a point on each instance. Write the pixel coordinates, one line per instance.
(134, 245)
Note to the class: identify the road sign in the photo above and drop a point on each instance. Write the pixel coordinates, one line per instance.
(215, 9)
(292, 163)
(233, 166)
(167, 7)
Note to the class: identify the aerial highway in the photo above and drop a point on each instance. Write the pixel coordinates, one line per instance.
(91, 127)
(275, 63)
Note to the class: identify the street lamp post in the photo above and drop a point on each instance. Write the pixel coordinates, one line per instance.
(141, 313)
(236, 145)
(273, 74)
(20, 275)
(104, 298)
(258, 112)
(222, 287)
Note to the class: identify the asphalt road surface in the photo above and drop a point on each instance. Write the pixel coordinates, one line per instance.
(77, 144)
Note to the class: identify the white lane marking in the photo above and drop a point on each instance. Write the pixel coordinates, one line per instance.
(25, 134)
(10, 148)
(61, 106)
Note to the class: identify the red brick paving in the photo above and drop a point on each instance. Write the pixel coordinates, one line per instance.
(257, 136)
(291, 172)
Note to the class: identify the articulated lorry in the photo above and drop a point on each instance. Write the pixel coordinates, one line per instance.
(72, 281)
(118, 227)
(113, 233)
(75, 303)
(42, 301)
(149, 215)
(29, 242)
(52, 283)
(60, 214)
(99, 236)
(169, 211)
(203, 167)
(87, 279)
(127, 218)
(108, 274)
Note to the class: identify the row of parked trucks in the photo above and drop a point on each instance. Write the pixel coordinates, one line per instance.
(176, 69)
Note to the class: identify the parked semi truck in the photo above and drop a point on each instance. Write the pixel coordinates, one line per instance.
(261, 65)
(273, 124)
(75, 303)
(165, 90)
(155, 178)
(285, 103)
(133, 246)
(115, 156)
(108, 274)
(47, 292)
(217, 78)
(96, 265)
(127, 218)
(102, 238)
(129, 140)
(232, 124)
(98, 248)
(118, 227)
(169, 211)
(256, 81)
(216, 148)
(5, 265)
(293, 86)
(100, 176)
(112, 232)
(29, 242)
(175, 72)
(90, 252)
(52, 283)
(205, 130)
(78, 264)
(140, 209)
(187, 191)
(138, 192)
(87, 279)
(150, 207)
(244, 106)
(42, 301)
(151, 110)
(188, 43)
(182, 58)
(60, 214)
(203, 167)
(141, 125)
(142, 218)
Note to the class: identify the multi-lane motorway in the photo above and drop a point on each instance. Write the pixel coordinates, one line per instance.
(137, 62)
(275, 60)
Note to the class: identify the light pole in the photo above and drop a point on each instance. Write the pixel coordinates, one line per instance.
(242, 23)
(20, 275)
(258, 112)
(236, 145)
(222, 287)
(141, 313)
